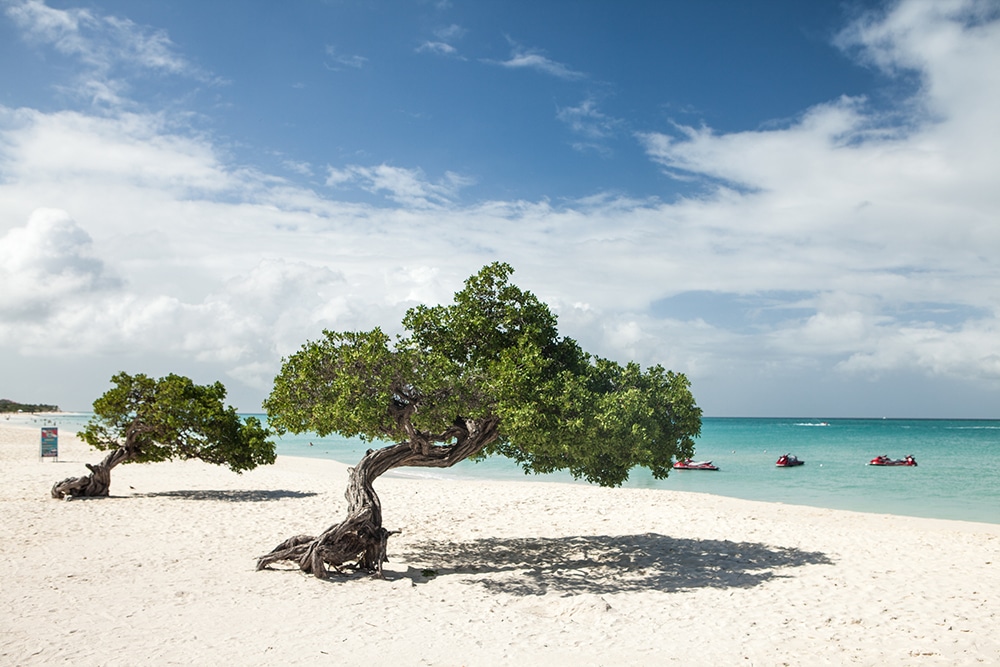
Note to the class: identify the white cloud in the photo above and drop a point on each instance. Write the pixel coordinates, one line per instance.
(299, 167)
(921, 35)
(852, 202)
(48, 261)
(588, 122)
(142, 149)
(442, 45)
(899, 207)
(526, 58)
(969, 352)
(61, 29)
(341, 60)
(407, 187)
(450, 32)
(440, 48)
(129, 233)
(108, 46)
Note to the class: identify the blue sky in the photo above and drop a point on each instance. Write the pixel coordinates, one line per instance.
(793, 203)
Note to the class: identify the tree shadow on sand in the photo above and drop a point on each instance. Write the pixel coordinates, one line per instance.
(604, 564)
(249, 496)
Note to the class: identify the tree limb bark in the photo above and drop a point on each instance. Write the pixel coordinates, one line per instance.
(360, 537)
(97, 483)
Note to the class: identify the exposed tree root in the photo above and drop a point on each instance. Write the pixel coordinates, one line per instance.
(359, 541)
(96, 484)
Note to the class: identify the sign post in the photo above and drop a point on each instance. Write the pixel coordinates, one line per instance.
(50, 443)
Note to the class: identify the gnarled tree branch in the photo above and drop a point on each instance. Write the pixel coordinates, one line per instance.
(360, 538)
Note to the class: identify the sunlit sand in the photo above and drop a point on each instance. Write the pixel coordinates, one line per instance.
(483, 573)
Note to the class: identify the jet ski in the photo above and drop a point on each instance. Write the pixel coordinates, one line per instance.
(886, 461)
(688, 464)
(789, 461)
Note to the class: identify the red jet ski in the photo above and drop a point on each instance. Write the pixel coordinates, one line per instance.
(688, 464)
(789, 461)
(886, 461)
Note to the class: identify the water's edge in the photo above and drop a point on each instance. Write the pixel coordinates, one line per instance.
(958, 476)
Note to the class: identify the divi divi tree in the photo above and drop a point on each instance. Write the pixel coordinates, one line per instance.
(486, 375)
(146, 420)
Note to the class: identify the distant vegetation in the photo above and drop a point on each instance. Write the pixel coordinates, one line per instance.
(11, 406)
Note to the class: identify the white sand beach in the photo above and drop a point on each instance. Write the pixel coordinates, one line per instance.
(483, 573)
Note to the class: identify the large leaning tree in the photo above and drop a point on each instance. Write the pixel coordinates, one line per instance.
(486, 375)
(146, 420)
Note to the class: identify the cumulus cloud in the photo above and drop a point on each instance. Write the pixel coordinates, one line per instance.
(920, 35)
(879, 208)
(971, 351)
(141, 149)
(48, 261)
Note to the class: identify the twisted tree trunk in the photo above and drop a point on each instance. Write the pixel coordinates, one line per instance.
(361, 537)
(97, 483)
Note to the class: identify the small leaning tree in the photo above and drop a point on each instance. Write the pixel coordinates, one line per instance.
(486, 375)
(143, 420)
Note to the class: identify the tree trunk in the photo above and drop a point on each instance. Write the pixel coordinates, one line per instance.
(96, 484)
(360, 537)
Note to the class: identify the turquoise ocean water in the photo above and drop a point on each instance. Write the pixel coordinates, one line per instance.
(958, 476)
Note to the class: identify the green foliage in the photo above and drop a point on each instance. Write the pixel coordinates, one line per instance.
(7, 405)
(494, 352)
(173, 418)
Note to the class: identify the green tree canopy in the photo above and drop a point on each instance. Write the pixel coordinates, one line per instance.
(487, 374)
(494, 353)
(145, 420)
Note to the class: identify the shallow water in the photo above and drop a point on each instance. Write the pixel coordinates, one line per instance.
(958, 476)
